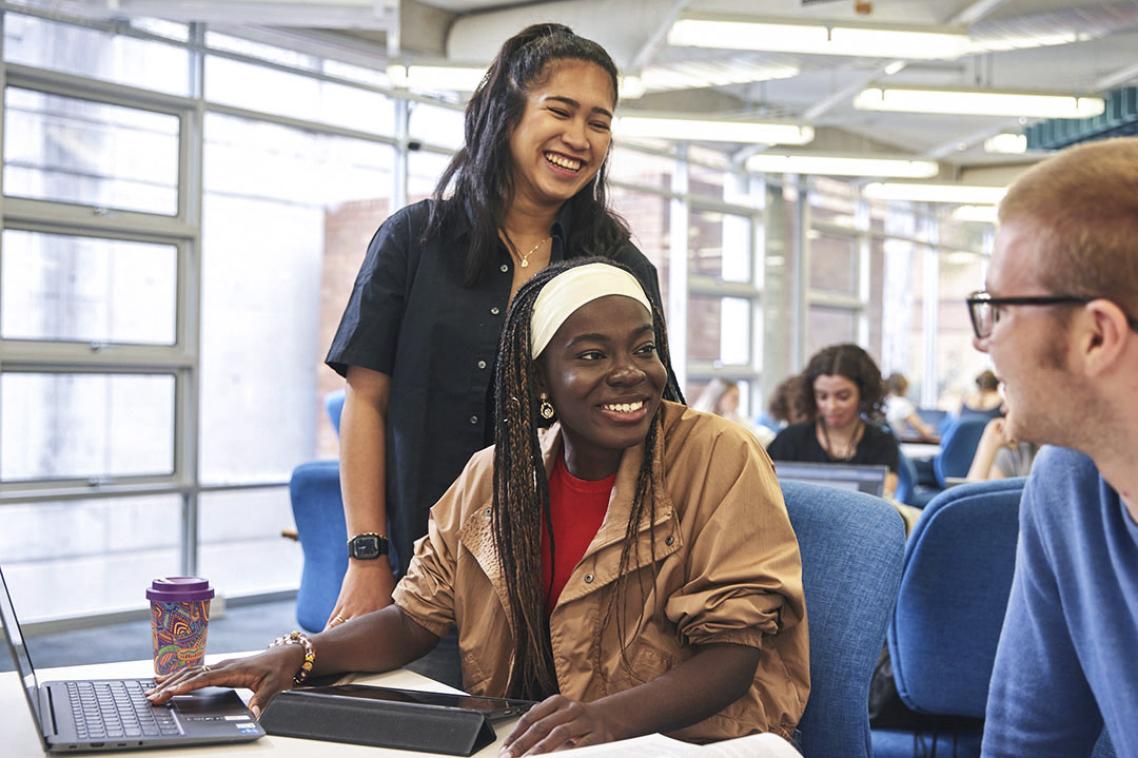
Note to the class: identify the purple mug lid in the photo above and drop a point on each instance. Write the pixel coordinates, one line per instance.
(179, 589)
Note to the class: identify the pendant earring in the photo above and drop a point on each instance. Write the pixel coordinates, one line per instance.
(546, 408)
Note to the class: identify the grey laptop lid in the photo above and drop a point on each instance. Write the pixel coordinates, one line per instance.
(867, 479)
(18, 652)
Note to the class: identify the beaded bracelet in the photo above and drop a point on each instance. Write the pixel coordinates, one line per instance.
(296, 638)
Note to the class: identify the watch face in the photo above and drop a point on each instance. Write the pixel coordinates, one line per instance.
(366, 547)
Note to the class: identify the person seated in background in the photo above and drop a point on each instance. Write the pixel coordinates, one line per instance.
(901, 414)
(1059, 319)
(842, 391)
(999, 456)
(721, 397)
(985, 400)
(786, 406)
(633, 566)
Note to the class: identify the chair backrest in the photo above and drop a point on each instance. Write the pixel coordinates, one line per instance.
(334, 404)
(957, 448)
(319, 515)
(954, 592)
(852, 547)
(934, 417)
(906, 478)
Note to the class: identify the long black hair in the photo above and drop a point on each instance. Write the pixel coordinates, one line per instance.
(521, 491)
(482, 171)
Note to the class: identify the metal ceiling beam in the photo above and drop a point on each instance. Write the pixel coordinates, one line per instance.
(968, 140)
(973, 12)
(357, 14)
(1116, 79)
(658, 37)
(845, 94)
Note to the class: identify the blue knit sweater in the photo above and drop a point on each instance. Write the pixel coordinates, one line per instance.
(1068, 656)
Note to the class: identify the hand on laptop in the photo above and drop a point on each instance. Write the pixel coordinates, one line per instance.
(265, 674)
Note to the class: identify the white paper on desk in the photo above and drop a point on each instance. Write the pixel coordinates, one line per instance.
(658, 746)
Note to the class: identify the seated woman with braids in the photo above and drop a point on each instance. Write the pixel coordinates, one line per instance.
(632, 567)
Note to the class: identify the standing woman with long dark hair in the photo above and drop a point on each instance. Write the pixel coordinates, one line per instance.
(418, 340)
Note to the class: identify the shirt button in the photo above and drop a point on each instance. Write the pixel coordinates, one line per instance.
(588, 578)
(669, 540)
(504, 268)
(481, 364)
(473, 419)
(495, 311)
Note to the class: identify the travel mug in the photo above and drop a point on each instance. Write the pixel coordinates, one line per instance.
(179, 620)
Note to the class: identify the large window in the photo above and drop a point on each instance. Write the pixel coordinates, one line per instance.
(284, 209)
(78, 151)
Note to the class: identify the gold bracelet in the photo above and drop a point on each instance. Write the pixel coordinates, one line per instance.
(296, 638)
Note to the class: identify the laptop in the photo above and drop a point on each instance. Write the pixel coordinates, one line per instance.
(113, 714)
(863, 478)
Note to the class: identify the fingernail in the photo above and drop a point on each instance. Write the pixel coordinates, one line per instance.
(256, 711)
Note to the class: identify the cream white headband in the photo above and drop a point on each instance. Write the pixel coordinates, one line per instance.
(568, 291)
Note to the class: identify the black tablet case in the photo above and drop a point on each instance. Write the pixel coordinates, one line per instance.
(404, 726)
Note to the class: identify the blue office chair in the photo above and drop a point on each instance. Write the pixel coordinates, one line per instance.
(318, 511)
(852, 546)
(958, 444)
(954, 591)
(958, 447)
(334, 405)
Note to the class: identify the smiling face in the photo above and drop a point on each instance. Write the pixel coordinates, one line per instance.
(606, 380)
(563, 134)
(837, 399)
(1028, 346)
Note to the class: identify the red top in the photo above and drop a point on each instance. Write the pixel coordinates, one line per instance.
(577, 507)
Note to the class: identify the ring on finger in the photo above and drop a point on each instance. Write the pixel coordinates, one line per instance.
(205, 668)
(338, 619)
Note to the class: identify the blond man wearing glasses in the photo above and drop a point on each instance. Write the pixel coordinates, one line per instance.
(1059, 321)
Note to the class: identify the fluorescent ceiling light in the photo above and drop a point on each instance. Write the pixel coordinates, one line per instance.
(712, 130)
(982, 213)
(436, 78)
(1006, 143)
(977, 102)
(935, 193)
(842, 165)
(820, 39)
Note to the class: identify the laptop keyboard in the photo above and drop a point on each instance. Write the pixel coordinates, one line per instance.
(106, 710)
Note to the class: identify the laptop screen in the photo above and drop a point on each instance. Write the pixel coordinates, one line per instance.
(14, 642)
(867, 479)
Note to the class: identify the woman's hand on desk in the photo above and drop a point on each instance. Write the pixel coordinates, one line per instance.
(265, 674)
(558, 723)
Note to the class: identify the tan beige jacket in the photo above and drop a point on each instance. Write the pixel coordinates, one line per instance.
(729, 571)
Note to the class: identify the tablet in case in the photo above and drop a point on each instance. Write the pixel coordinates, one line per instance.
(316, 715)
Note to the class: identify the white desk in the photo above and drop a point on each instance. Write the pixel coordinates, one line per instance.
(918, 450)
(21, 741)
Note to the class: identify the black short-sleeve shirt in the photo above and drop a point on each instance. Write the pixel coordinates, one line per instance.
(799, 442)
(411, 317)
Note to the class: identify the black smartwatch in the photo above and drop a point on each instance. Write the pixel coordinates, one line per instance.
(367, 547)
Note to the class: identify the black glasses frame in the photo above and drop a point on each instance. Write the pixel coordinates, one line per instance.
(982, 298)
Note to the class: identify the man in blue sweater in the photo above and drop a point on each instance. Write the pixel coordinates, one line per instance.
(1060, 321)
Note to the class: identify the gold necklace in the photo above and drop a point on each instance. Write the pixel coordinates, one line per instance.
(524, 259)
(851, 443)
